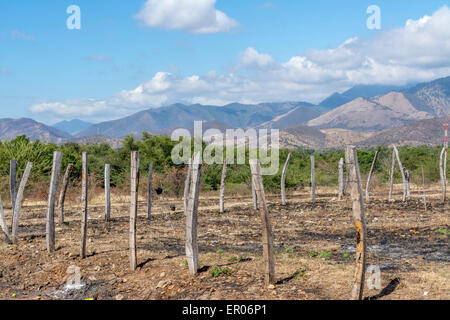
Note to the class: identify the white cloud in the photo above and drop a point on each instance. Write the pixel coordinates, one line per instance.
(420, 51)
(197, 16)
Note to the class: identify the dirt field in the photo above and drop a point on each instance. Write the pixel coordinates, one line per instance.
(314, 244)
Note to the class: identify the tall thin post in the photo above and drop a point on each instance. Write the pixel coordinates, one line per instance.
(391, 178)
(149, 192)
(313, 179)
(408, 182)
(369, 177)
(134, 207)
(423, 189)
(107, 191)
(63, 191)
(341, 179)
(222, 186)
(283, 180)
(18, 204)
(254, 198)
(267, 238)
(50, 222)
(3, 225)
(359, 217)
(442, 160)
(84, 200)
(12, 182)
(191, 216)
(405, 183)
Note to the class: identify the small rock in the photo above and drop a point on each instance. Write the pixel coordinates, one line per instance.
(97, 268)
(252, 290)
(162, 275)
(271, 287)
(119, 297)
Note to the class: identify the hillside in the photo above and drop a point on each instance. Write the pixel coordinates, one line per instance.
(72, 126)
(10, 128)
(296, 116)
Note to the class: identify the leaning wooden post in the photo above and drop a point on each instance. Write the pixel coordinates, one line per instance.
(359, 217)
(50, 222)
(12, 182)
(222, 186)
(84, 200)
(443, 174)
(18, 204)
(372, 168)
(267, 238)
(254, 198)
(341, 179)
(191, 216)
(134, 207)
(313, 179)
(3, 225)
(391, 178)
(107, 181)
(149, 192)
(405, 184)
(423, 189)
(283, 180)
(62, 193)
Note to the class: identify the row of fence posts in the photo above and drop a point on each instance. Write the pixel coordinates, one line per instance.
(191, 202)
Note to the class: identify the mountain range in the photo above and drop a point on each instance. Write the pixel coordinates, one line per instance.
(364, 115)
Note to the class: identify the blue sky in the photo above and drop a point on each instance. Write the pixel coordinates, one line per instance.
(126, 58)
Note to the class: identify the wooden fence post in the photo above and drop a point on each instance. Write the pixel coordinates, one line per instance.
(149, 193)
(3, 224)
(254, 198)
(408, 182)
(405, 184)
(12, 182)
(443, 174)
(267, 238)
(359, 217)
(283, 180)
(50, 222)
(423, 189)
(191, 216)
(134, 207)
(62, 193)
(391, 178)
(341, 179)
(313, 179)
(84, 200)
(18, 203)
(222, 186)
(369, 177)
(107, 181)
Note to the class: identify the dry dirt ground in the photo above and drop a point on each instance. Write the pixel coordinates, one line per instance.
(314, 251)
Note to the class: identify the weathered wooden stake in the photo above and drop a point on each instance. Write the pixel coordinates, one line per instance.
(313, 179)
(405, 184)
(359, 217)
(222, 186)
(84, 200)
(3, 224)
(442, 170)
(267, 238)
(149, 192)
(372, 168)
(107, 191)
(134, 207)
(391, 178)
(341, 179)
(283, 180)
(50, 221)
(62, 193)
(423, 189)
(191, 216)
(18, 203)
(12, 182)
(408, 182)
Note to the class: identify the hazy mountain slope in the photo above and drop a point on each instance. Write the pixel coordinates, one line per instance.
(72, 126)
(296, 116)
(422, 132)
(182, 116)
(10, 128)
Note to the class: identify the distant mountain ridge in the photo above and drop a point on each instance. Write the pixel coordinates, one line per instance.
(11, 128)
(72, 126)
